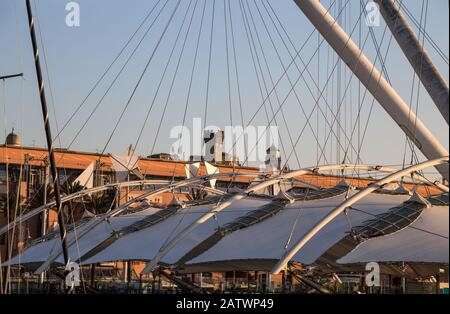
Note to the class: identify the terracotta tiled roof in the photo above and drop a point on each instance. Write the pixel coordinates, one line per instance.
(162, 168)
(81, 160)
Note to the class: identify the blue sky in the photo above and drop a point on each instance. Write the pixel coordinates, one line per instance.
(77, 56)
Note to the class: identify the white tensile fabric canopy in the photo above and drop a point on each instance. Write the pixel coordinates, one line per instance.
(86, 178)
(267, 239)
(40, 252)
(139, 245)
(191, 170)
(144, 244)
(211, 170)
(425, 240)
(124, 164)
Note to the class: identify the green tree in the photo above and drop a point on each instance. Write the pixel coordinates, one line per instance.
(73, 187)
(197, 194)
(69, 188)
(99, 203)
(38, 198)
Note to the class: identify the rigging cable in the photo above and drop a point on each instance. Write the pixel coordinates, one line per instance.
(270, 74)
(184, 116)
(188, 97)
(313, 93)
(116, 77)
(290, 64)
(271, 80)
(304, 80)
(361, 101)
(39, 28)
(141, 76)
(260, 77)
(174, 78)
(435, 46)
(108, 69)
(423, 16)
(290, 91)
(160, 84)
(308, 118)
(208, 78)
(227, 53)
(237, 76)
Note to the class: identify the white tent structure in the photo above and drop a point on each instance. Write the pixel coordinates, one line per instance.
(263, 241)
(141, 244)
(252, 231)
(267, 240)
(41, 251)
(125, 164)
(192, 170)
(244, 228)
(425, 240)
(86, 178)
(210, 169)
(147, 242)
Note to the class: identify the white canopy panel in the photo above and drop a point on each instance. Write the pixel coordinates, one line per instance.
(41, 251)
(142, 244)
(145, 243)
(425, 240)
(267, 239)
(264, 240)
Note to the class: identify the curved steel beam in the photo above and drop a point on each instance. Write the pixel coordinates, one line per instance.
(102, 188)
(433, 81)
(187, 182)
(349, 202)
(76, 195)
(353, 167)
(374, 82)
(269, 182)
(97, 189)
(95, 222)
(302, 184)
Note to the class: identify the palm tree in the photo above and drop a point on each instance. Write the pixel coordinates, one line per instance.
(69, 188)
(197, 194)
(39, 197)
(99, 203)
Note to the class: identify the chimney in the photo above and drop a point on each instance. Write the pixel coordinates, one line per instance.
(213, 145)
(273, 159)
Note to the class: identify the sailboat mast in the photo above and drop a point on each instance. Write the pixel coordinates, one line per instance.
(48, 134)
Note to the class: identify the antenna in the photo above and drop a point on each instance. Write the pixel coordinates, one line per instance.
(5, 77)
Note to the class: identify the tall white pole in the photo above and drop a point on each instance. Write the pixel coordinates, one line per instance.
(375, 83)
(417, 55)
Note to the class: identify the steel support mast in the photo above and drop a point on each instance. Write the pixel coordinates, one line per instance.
(417, 55)
(376, 84)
